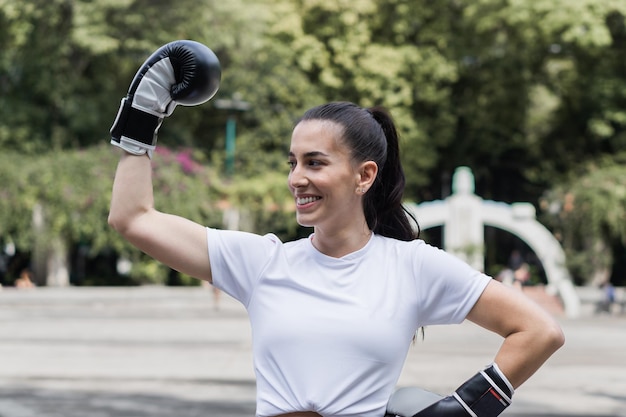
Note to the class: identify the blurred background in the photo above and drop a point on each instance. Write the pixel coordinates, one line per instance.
(530, 95)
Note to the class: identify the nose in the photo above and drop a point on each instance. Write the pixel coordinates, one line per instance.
(297, 178)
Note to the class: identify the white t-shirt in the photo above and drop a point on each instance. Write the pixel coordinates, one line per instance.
(331, 335)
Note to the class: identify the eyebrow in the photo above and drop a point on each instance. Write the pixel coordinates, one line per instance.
(311, 154)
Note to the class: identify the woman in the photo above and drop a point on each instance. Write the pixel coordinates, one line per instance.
(333, 315)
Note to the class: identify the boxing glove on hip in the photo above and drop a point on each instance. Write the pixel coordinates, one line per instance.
(486, 394)
(407, 401)
(181, 72)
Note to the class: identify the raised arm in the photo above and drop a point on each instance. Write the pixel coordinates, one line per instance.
(177, 242)
(182, 72)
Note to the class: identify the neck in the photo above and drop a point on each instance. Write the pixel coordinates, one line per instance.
(340, 243)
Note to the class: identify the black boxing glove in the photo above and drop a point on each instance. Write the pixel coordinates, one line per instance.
(486, 394)
(181, 72)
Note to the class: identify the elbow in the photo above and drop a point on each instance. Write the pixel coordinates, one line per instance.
(116, 222)
(559, 339)
(130, 225)
(124, 215)
(120, 223)
(553, 336)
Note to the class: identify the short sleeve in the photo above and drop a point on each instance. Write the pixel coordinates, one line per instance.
(448, 287)
(237, 260)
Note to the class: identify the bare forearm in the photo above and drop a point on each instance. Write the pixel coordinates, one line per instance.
(530, 334)
(523, 353)
(132, 190)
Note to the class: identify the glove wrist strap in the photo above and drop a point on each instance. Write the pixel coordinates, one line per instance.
(137, 125)
(499, 381)
(486, 394)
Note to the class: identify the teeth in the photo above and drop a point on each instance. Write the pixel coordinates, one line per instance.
(306, 200)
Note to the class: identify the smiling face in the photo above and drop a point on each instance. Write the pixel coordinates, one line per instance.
(323, 178)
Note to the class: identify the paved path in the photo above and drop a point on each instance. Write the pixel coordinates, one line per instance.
(154, 351)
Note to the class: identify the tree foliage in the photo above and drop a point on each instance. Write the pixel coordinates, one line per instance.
(73, 190)
(522, 92)
(588, 214)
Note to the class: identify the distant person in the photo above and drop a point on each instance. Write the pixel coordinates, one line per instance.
(24, 281)
(608, 298)
(521, 276)
(515, 259)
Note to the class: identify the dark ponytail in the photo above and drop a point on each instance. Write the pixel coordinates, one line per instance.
(384, 211)
(372, 136)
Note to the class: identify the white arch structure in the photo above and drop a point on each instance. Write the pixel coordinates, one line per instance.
(463, 216)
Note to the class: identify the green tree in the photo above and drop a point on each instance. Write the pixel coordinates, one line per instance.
(588, 214)
(489, 84)
(521, 92)
(360, 51)
(522, 66)
(66, 64)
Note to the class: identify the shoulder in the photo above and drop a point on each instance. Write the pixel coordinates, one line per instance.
(428, 259)
(236, 236)
(233, 243)
(402, 246)
(298, 243)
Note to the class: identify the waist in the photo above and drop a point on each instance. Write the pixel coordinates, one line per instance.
(300, 414)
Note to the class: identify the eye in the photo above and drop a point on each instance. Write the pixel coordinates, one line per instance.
(292, 164)
(315, 163)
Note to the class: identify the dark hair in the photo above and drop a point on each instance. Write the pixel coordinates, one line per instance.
(371, 135)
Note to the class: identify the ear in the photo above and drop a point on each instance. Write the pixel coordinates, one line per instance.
(366, 175)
